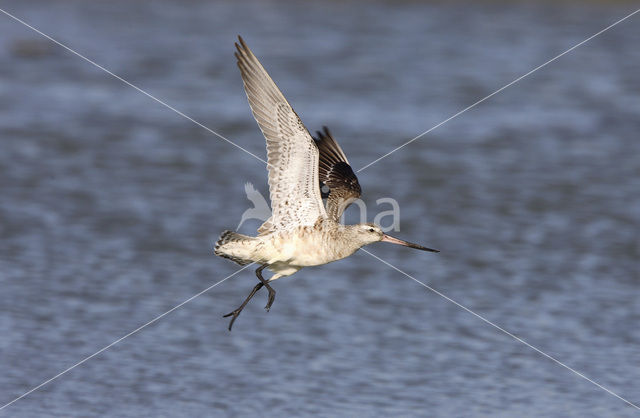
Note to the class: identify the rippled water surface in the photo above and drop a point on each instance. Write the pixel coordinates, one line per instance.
(110, 203)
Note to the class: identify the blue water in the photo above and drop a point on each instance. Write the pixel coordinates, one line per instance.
(110, 203)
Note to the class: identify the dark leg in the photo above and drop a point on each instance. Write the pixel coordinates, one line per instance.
(236, 312)
(272, 293)
(263, 282)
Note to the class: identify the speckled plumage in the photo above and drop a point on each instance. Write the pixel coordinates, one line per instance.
(300, 232)
(287, 251)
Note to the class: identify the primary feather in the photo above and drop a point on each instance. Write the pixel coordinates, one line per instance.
(336, 173)
(292, 155)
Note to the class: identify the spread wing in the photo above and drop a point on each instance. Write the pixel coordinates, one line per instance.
(292, 155)
(336, 173)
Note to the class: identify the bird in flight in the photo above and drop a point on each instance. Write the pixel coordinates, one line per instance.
(301, 231)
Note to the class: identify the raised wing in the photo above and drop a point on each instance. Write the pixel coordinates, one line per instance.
(292, 155)
(336, 173)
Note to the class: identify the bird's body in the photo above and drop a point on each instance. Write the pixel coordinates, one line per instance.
(301, 231)
(286, 252)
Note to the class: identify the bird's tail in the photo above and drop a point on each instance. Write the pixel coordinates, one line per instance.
(236, 247)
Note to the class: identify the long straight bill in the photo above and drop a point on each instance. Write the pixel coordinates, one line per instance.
(388, 238)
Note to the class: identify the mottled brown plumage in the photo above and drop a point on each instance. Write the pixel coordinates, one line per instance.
(335, 172)
(300, 231)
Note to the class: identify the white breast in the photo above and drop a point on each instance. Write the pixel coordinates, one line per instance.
(303, 248)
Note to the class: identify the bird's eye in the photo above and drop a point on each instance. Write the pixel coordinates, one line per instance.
(371, 230)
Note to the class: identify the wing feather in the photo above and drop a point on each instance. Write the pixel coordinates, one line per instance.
(292, 155)
(335, 172)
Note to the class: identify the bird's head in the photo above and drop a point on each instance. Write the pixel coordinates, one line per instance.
(369, 233)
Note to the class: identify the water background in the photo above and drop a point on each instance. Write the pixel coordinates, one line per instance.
(110, 204)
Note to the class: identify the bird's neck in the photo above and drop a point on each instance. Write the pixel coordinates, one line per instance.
(345, 239)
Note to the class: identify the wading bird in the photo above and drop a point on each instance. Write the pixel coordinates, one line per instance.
(301, 232)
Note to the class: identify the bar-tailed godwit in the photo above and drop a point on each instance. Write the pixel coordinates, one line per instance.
(301, 231)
